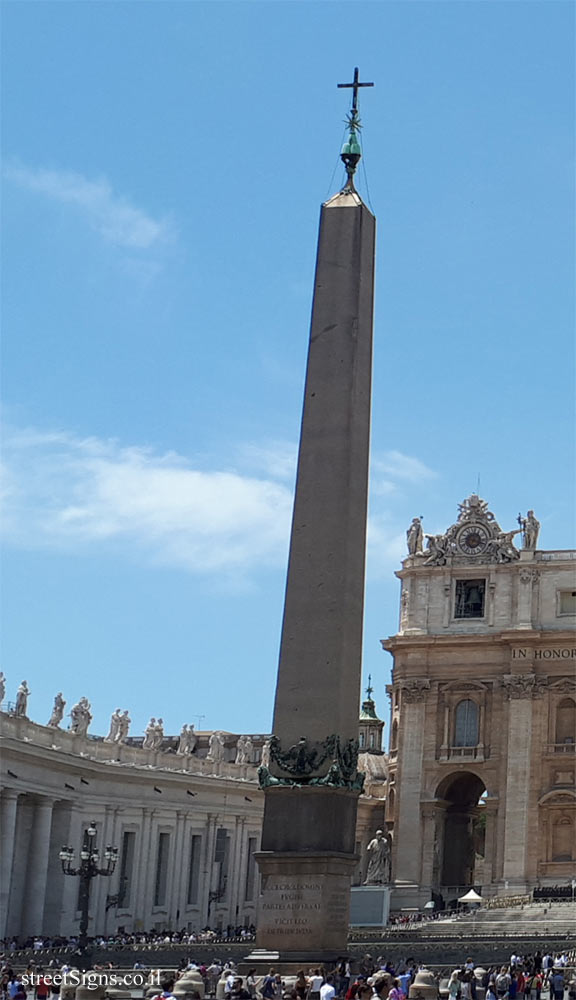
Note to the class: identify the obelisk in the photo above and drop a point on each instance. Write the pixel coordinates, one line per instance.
(311, 784)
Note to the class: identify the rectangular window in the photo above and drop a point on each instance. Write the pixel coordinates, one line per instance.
(466, 724)
(470, 596)
(126, 869)
(567, 602)
(194, 869)
(250, 870)
(161, 869)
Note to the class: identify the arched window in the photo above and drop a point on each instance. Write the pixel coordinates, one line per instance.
(361, 740)
(394, 736)
(466, 724)
(372, 740)
(566, 721)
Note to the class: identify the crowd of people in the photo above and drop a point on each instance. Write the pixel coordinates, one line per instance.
(527, 977)
(524, 977)
(138, 939)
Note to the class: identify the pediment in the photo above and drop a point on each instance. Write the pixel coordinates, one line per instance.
(466, 685)
(555, 797)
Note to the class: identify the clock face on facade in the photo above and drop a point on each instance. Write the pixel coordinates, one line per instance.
(473, 539)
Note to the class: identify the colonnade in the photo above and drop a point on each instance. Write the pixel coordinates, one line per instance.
(37, 898)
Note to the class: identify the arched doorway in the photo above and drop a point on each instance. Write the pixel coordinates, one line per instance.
(464, 829)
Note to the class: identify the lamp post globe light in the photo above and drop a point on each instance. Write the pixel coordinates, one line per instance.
(88, 869)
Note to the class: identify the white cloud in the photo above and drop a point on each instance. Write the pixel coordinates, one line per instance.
(277, 459)
(112, 215)
(392, 469)
(69, 493)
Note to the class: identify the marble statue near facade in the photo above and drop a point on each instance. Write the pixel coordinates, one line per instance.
(114, 727)
(119, 727)
(187, 741)
(22, 696)
(159, 736)
(154, 734)
(2, 686)
(502, 547)
(415, 537)
(149, 735)
(244, 750)
(530, 527)
(266, 754)
(80, 717)
(123, 727)
(57, 711)
(216, 747)
(378, 851)
(437, 549)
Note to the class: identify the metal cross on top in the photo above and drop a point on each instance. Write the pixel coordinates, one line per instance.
(369, 689)
(355, 85)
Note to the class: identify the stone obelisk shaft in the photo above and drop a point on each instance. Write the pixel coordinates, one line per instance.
(319, 676)
(308, 836)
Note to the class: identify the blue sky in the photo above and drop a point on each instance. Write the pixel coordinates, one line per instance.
(164, 164)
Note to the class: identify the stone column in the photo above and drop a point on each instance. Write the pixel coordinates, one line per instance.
(429, 813)
(490, 854)
(438, 854)
(524, 598)
(447, 609)
(237, 869)
(208, 844)
(519, 746)
(73, 838)
(179, 877)
(101, 886)
(9, 807)
(142, 904)
(405, 604)
(491, 609)
(35, 891)
(445, 748)
(244, 860)
(407, 828)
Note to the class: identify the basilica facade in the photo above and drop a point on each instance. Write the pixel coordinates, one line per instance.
(483, 720)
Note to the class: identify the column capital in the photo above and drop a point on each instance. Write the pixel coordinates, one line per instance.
(43, 801)
(414, 689)
(9, 794)
(524, 685)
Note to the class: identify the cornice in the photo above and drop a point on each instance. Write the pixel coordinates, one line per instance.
(510, 637)
(541, 559)
(73, 765)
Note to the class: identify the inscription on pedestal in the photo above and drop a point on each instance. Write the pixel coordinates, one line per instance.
(299, 908)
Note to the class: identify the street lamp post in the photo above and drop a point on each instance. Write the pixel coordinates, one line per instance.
(88, 869)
